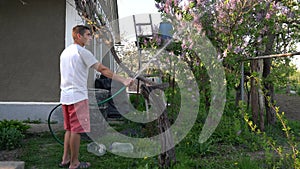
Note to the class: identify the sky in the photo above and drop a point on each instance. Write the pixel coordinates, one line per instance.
(141, 9)
(133, 7)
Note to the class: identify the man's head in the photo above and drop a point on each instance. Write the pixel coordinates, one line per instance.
(81, 35)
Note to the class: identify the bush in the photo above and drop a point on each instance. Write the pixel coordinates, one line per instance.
(10, 138)
(248, 163)
(11, 134)
(229, 130)
(14, 124)
(138, 102)
(39, 121)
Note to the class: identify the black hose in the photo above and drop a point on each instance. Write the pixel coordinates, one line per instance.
(50, 128)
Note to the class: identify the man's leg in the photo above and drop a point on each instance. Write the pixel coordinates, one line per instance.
(66, 155)
(80, 123)
(74, 147)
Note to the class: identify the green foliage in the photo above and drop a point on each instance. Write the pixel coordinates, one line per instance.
(175, 47)
(174, 100)
(14, 124)
(10, 138)
(32, 121)
(138, 102)
(191, 146)
(281, 73)
(295, 127)
(11, 134)
(295, 80)
(247, 163)
(233, 130)
(146, 42)
(288, 153)
(228, 130)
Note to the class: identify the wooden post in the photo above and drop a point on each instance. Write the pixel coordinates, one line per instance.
(242, 80)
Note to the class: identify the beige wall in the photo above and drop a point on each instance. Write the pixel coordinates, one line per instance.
(32, 36)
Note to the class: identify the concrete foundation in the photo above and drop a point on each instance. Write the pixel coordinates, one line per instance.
(27, 111)
(12, 164)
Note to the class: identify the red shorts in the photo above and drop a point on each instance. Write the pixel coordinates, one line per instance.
(77, 117)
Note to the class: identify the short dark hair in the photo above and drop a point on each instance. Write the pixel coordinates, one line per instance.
(79, 29)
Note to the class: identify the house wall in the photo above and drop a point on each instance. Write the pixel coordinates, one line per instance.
(32, 33)
(72, 19)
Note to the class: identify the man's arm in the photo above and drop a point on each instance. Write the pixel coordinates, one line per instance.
(108, 73)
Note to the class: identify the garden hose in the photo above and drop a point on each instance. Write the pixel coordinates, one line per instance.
(101, 102)
(50, 128)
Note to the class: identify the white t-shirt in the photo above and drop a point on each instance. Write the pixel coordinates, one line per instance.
(75, 62)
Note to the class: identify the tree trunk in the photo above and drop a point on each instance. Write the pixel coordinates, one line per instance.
(167, 156)
(261, 97)
(268, 85)
(238, 95)
(288, 85)
(270, 112)
(254, 93)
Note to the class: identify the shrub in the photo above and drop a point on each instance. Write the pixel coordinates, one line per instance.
(138, 102)
(10, 138)
(247, 163)
(39, 121)
(14, 124)
(229, 130)
(11, 134)
(298, 90)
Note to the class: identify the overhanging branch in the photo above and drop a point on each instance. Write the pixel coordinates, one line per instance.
(271, 56)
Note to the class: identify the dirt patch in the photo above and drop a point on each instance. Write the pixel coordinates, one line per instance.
(38, 128)
(10, 155)
(14, 155)
(289, 104)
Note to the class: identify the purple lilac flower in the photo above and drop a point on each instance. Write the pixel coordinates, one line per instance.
(238, 50)
(258, 16)
(268, 15)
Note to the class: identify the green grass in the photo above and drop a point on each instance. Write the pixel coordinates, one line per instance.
(41, 151)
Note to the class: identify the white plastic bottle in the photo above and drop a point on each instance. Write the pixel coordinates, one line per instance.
(97, 149)
(118, 147)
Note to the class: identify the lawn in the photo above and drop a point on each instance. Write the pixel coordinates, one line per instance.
(232, 146)
(40, 150)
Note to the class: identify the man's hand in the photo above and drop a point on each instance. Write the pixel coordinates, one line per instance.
(128, 82)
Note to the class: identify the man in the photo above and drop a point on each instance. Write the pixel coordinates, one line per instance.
(75, 62)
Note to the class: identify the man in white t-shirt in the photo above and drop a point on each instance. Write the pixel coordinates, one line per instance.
(75, 62)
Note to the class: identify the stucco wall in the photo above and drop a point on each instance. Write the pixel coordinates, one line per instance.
(32, 37)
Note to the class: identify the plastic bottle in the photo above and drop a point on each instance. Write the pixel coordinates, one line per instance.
(97, 149)
(118, 147)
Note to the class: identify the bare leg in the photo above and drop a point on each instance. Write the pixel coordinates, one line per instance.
(66, 155)
(74, 147)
